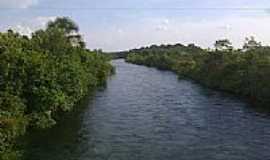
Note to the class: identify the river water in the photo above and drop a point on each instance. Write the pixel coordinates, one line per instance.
(147, 114)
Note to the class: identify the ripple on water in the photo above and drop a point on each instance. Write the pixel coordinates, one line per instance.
(147, 114)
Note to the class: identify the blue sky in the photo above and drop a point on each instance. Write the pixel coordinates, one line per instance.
(124, 24)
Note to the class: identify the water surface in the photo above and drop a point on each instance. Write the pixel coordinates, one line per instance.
(147, 114)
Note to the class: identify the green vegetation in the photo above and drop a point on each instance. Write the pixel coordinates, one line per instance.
(117, 55)
(244, 72)
(42, 77)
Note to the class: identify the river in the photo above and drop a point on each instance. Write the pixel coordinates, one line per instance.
(147, 114)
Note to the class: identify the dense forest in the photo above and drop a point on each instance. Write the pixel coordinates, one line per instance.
(245, 72)
(43, 76)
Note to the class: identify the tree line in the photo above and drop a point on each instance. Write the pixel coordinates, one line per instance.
(244, 72)
(43, 76)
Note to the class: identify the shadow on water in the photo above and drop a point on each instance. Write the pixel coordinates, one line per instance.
(62, 139)
(147, 114)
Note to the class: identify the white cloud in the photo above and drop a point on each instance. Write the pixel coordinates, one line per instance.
(165, 22)
(24, 30)
(163, 25)
(162, 28)
(29, 26)
(17, 3)
(225, 27)
(42, 21)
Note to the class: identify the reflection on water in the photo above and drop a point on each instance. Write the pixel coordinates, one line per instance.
(146, 114)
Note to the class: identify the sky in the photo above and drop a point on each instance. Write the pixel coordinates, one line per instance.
(116, 25)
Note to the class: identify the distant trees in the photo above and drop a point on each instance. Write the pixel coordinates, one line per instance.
(43, 76)
(161, 57)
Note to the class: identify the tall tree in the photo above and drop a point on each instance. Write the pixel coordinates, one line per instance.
(70, 29)
(223, 45)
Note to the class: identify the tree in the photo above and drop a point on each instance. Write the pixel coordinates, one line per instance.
(41, 77)
(223, 45)
(65, 24)
(251, 43)
(70, 29)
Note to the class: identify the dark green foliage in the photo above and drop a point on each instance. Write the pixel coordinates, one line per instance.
(43, 76)
(244, 72)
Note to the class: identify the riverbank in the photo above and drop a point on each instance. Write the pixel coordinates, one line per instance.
(235, 71)
(145, 113)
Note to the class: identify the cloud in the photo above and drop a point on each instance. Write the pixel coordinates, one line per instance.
(165, 22)
(163, 25)
(17, 3)
(42, 21)
(226, 27)
(24, 30)
(162, 28)
(27, 27)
